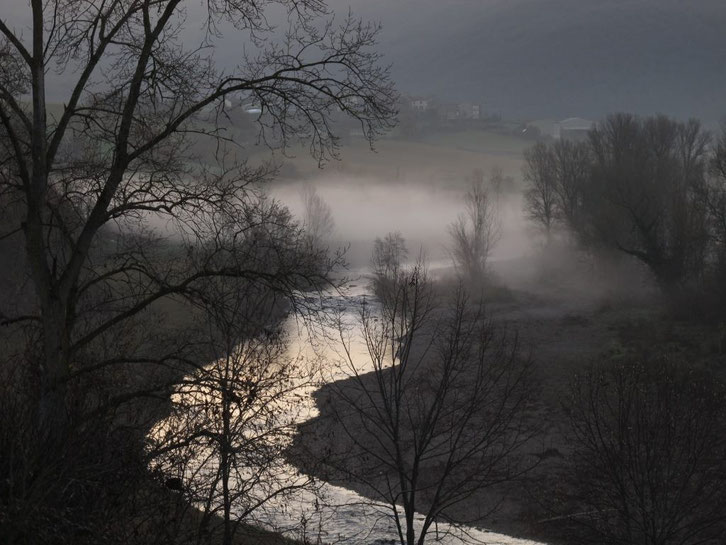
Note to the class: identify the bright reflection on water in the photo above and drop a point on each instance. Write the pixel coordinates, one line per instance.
(333, 514)
(338, 515)
(363, 210)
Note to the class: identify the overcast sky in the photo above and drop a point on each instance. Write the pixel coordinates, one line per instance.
(546, 58)
(541, 58)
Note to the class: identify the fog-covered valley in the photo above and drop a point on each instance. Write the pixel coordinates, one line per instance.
(299, 272)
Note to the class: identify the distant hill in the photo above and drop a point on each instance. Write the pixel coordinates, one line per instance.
(559, 58)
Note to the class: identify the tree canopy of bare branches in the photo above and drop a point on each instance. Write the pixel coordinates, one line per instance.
(475, 232)
(318, 219)
(648, 461)
(123, 223)
(636, 186)
(434, 413)
(231, 421)
(646, 177)
(89, 176)
(716, 195)
(387, 262)
(556, 175)
(541, 194)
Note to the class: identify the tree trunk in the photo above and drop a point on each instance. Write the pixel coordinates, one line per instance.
(53, 365)
(410, 513)
(52, 410)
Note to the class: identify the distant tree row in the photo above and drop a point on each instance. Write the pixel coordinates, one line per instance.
(653, 188)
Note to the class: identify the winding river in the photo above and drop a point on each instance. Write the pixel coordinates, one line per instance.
(336, 514)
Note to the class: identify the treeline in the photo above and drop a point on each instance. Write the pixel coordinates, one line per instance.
(653, 188)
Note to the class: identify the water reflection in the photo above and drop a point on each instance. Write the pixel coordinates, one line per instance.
(335, 514)
(331, 514)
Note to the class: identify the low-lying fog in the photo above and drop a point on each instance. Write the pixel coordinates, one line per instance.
(366, 208)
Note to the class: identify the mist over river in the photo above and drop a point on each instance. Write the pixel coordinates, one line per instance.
(335, 514)
(362, 212)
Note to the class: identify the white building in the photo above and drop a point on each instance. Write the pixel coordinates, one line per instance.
(573, 128)
(419, 104)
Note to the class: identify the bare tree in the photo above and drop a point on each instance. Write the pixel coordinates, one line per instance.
(130, 198)
(716, 194)
(557, 175)
(573, 164)
(648, 464)
(387, 262)
(645, 195)
(317, 217)
(434, 413)
(475, 232)
(541, 195)
(231, 420)
(637, 186)
(120, 385)
(498, 182)
(117, 154)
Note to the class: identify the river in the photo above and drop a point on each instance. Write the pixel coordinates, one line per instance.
(336, 514)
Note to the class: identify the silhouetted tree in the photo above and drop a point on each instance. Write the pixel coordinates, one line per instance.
(716, 195)
(540, 174)
(231, 420)
(498, 182)
(118, 152)
(648, 461)
(557, 175)
(644, 197)
(572, 165)
(387, 262)
(129, 199)
(434, 412)
(637, 186)
(317, 217)
(475, 232)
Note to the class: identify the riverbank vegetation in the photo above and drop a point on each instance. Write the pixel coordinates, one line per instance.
(630, 367)
(434, 412)
(558, 374)
(135, 262)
